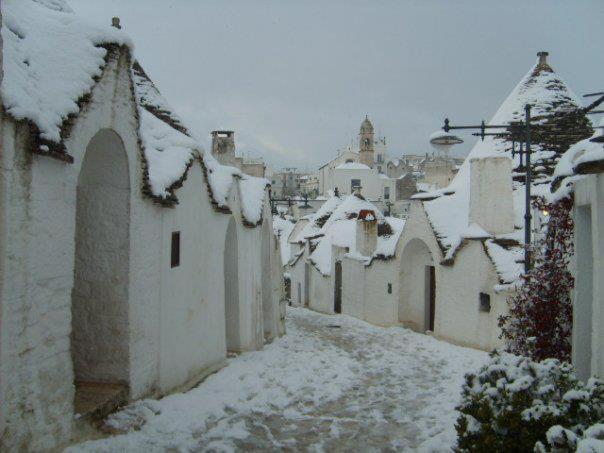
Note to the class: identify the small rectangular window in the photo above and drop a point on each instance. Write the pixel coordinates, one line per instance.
(389, 288)
(485, 302)
(354, 184)
(386, 193)
(175, 251)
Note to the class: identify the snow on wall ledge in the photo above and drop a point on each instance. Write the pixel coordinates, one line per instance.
(252, 192)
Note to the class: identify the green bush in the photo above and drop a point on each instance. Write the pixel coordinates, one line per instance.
(512, 402)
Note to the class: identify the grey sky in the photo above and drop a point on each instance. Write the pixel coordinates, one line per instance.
(294, 79)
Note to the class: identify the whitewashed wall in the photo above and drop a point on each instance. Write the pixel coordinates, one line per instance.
(353, 287)
(192, 328)
(174, 325)
(588, 297)
(381, 307)
(412, 309)
(365, 290)
(37, 373)
(371, 182)
(321, 291)
(457, 315)
(458, 318)
(296, 272)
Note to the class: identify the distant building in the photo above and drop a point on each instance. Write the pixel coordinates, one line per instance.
(223, 149)
(365, 169)
(288, 183)
(309, 185)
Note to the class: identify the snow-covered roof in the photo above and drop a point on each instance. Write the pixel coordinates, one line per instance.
(352, 166)
(318, 219)
(340, 230)
(282, 229)
(448, 209)
(348, 151)
(583, 157)
(52, 60)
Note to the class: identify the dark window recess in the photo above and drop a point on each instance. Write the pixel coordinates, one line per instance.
(485, 302)
(175, 253)
(389, 288)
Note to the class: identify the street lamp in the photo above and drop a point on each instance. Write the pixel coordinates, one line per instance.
(444, 141)
(522, 132)
(512, 130)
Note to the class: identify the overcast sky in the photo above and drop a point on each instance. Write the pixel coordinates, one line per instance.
(294, 79)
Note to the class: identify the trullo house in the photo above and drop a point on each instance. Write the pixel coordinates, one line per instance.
(342, 260)
(461, 249)
(130, 260)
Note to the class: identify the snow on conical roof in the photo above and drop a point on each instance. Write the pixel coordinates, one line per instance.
(547, 93)
(340, 230)
(53, 58)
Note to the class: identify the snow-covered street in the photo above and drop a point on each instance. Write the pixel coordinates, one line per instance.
(333, 383)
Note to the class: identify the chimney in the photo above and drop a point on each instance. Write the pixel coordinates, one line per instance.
(223, 147)
(491, 194)
(115, 22)
(542, 57)
(366, 234)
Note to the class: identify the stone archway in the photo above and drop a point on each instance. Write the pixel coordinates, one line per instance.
(268, 312)
(231, 288)
(100, 295)
(417, 304)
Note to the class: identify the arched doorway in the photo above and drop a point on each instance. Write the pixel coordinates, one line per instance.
(417, 305)
(231, 287)
(100, 295)
(337, 297)
(268, 320)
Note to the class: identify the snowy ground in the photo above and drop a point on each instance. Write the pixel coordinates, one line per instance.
(319, 388)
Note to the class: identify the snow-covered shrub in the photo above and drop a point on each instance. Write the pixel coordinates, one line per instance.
(562, 440)
(539, 323)
(512, 402)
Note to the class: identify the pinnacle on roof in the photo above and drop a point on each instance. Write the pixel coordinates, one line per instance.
(366, 126)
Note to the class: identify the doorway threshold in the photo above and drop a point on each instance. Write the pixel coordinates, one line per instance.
(96, 400)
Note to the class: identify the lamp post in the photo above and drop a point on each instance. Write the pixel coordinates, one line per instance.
(523, 131)
(511, 130)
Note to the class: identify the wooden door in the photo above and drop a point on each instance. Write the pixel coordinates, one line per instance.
(337, 307)
(432, 296)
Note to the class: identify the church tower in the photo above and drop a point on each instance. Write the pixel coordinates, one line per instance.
(366, 143)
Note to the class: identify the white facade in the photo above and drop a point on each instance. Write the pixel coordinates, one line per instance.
(374, 186)
(86, 257)
(325, 174)
(453, 296)
(588, 300)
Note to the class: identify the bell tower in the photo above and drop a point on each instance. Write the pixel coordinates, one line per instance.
(366, 152)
